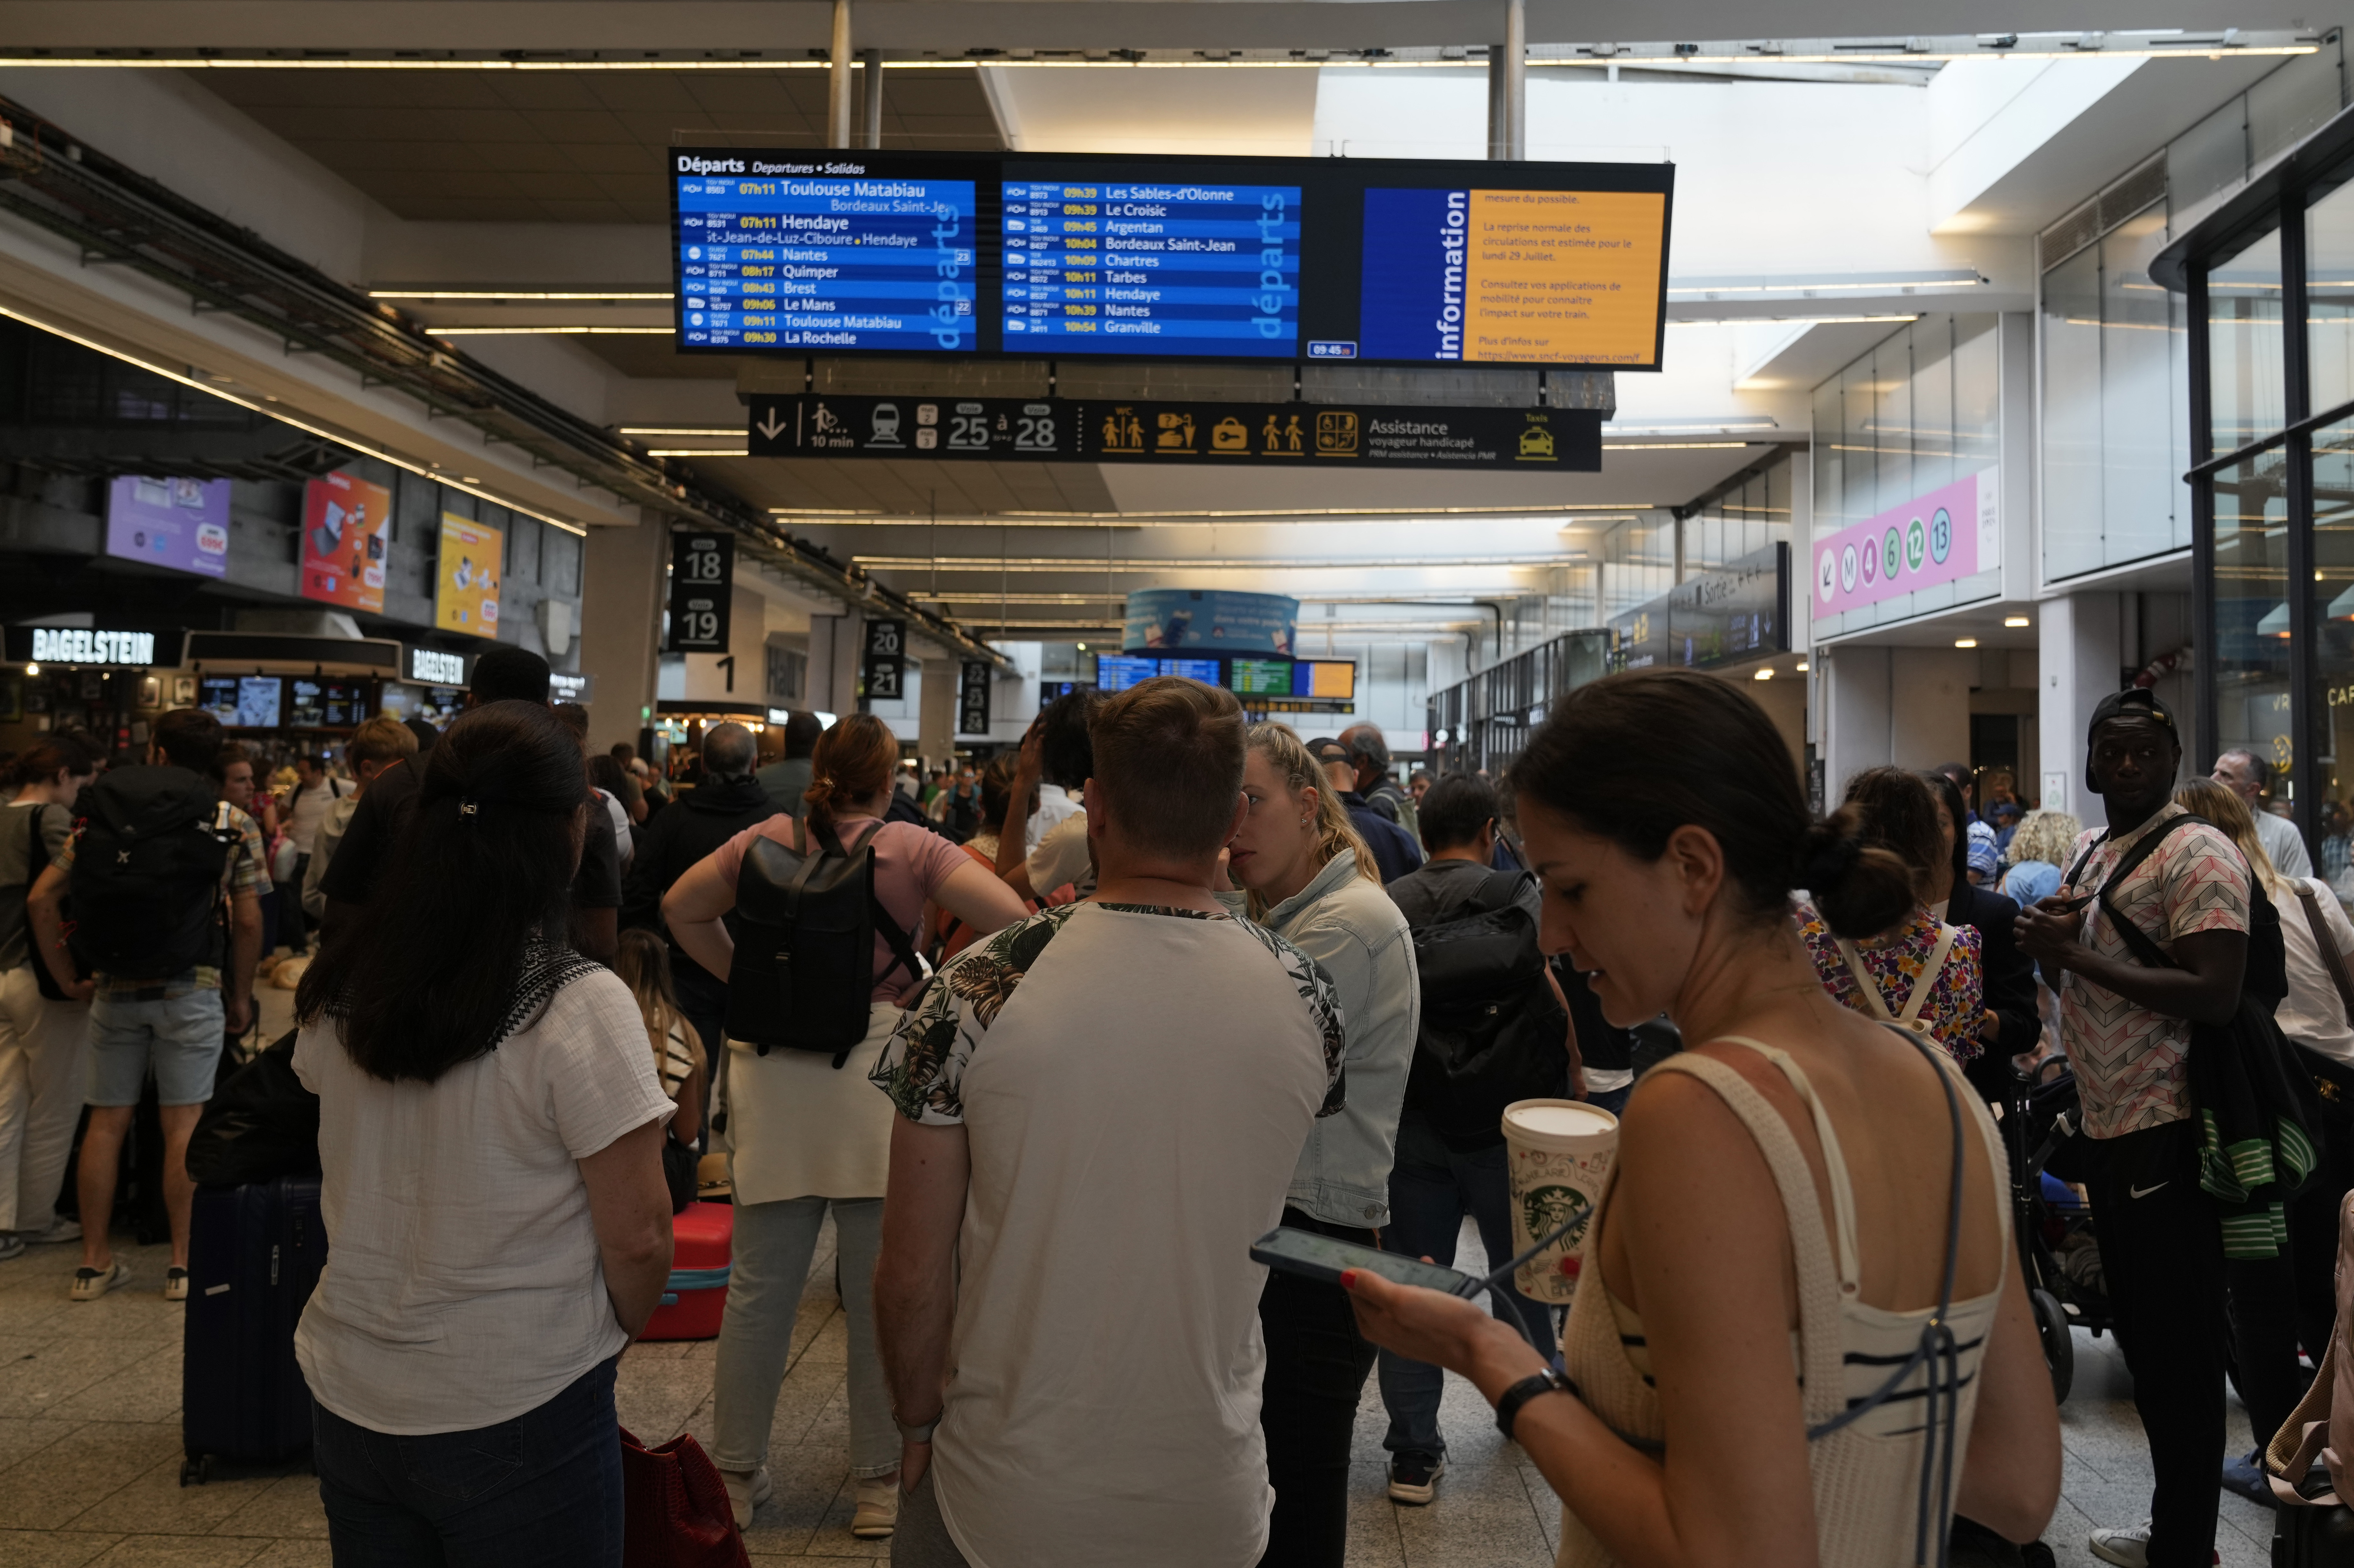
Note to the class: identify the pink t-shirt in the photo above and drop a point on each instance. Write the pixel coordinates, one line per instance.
(910, 863)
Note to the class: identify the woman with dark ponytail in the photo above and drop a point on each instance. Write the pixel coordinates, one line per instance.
(1771, 1253)
(490, 1127)
(1919, 971)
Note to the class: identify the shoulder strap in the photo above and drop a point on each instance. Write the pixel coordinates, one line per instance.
(1818, 1292)
(2330, 956)
(1874, 1004)
(1922, 988)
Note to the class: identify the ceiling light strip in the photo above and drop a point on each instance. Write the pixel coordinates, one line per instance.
(1669, 60)
(1576, 510)
(276, 412)
(1195, 564)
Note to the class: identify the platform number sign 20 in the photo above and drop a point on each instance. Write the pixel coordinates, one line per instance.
(702, 587)
(883, 669)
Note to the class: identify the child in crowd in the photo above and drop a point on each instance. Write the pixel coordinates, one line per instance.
(680, 1063)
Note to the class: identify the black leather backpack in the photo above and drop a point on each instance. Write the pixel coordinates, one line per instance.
(806, 920)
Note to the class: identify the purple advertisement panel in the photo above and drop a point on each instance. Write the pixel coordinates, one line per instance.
(1953, 532)
(177, 523)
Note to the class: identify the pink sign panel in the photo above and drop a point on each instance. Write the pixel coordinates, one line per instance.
(1953, 532)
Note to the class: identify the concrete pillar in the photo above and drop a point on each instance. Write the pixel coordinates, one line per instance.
(2079, 664)
(871, 109)
(624, 577)
(936, 739)
(1516, 80)
(837, 106)
(834, 641)
(1856, 714)
(1929, 714)
(710, 678)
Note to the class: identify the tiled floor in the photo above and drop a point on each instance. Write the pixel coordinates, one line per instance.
(89, 1449)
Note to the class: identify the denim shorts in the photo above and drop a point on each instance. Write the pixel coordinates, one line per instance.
(179, 1031)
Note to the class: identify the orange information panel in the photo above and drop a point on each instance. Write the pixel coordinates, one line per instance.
(1556, 276)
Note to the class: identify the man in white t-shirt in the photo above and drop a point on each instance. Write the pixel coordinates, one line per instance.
(1056, 759)
(316, 793)
(1100, 1108)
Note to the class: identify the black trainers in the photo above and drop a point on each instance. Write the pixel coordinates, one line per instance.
(1413, 1476)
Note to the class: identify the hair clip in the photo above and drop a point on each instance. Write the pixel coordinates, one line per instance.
(467, 808)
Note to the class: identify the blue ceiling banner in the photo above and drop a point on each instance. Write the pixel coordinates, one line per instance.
(1211, 620)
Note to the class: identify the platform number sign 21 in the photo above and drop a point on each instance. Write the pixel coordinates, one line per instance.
(702, 587)
(883, 669)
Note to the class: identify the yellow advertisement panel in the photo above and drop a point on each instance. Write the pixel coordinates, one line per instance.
(466, 578)
(1556, 276)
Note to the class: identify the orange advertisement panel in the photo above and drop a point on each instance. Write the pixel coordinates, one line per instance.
(346, 532)
(1563, 276)
(466, 578)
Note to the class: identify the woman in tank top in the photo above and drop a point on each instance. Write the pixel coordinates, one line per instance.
(1775, 1236)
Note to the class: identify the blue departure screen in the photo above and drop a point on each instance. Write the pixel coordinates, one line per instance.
(1115, 267)
(1202, 669)
(800, 263)
(1117, 672)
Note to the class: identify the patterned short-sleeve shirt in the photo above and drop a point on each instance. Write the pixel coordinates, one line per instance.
(2129, 1060)
(923, 1067)
(1957, 998)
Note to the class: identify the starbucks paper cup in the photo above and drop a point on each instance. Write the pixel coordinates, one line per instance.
(1560, 1153)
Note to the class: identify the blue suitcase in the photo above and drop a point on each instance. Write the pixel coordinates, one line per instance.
(254, 1254)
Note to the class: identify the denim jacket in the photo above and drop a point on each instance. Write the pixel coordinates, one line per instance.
(1350, 926)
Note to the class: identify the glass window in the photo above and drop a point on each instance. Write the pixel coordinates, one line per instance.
(2138, 485)
(2293, 101)
(2329, 297)
(1862, 450)
(2210, 156)
(2071, 416)
(1829, 456)
(2333, 606)
(2243, 346)
(2252, 653)
(1933, 404)
(1892, 420)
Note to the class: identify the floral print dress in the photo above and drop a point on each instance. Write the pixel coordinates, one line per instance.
(1896, 964)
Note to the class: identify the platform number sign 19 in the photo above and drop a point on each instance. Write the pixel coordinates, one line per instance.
(883, 670)
(972, 697)
(702, 587)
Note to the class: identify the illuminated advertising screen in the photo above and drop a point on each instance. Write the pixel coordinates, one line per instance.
(182, 524)
(466, 579)
(242, 702)
(347, 533)
(1393, 261)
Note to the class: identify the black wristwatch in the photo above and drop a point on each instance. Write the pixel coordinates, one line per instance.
(1508, 1408)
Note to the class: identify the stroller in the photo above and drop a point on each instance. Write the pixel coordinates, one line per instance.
(2058, 1253)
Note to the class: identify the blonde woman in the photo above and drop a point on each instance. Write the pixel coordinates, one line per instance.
(2277, 1302)
(1311, 881)
(2039, 857)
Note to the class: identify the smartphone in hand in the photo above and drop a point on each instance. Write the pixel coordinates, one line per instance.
(1322, 1257)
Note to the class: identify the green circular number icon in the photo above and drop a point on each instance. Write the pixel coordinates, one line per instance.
(1916, 544)
(1891, 552)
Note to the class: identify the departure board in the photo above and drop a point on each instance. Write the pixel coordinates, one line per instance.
(826, 264)
(1043, 257)
(1116, 267)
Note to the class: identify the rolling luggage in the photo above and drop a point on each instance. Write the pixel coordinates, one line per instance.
(702, 1236)
(254, 1254)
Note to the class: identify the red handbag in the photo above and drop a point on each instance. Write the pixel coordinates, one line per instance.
(675, 1508)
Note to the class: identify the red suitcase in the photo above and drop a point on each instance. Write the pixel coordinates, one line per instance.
(691, 1306)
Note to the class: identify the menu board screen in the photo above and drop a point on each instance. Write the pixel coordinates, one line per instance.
(1168, 256)
(242, 702)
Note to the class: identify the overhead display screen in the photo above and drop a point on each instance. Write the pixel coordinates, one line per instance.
(998, 255)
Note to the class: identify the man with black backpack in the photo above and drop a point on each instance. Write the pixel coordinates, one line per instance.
(2127, 1026)
(1493, 1030)
(155, 857)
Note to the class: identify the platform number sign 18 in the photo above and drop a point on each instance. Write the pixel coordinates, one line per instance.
(883, 669)
(702, 587)
(972, 697)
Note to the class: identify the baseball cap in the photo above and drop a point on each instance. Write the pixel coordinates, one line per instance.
(1327, 749)
(2134, 702)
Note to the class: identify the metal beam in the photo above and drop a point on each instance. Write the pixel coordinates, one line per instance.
(1516, 80)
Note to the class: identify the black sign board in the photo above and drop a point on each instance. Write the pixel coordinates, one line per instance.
(702, 589)
(88, 645)
(436, 666)
(972, 697)
(882, 669)
(1721, 615)
(1163, 256)
(1297, 435)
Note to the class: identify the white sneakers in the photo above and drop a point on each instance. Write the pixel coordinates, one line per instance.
(2128, 1548)
(747, 1492)
(878, 1508)
(57, 1230)
(89, 1284)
